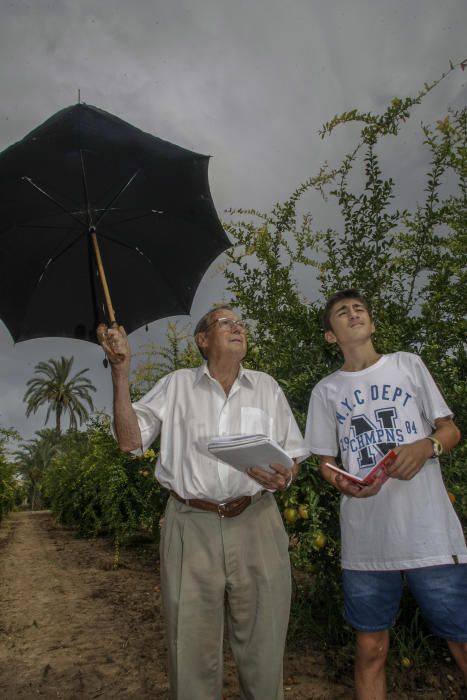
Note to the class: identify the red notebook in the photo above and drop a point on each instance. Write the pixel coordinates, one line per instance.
(379, 469)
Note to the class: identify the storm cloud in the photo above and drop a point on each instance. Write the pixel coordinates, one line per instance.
(248, 82)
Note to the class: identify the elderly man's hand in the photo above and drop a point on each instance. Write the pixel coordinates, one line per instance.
(278, 480)
(114, 341)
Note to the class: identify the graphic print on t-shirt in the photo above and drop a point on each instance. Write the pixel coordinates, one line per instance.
(374, 427)
(373, 441)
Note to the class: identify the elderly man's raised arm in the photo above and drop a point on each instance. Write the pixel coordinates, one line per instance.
(116, 347)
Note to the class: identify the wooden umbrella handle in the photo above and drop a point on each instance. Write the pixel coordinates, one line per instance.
(105, 286)
(114, 358)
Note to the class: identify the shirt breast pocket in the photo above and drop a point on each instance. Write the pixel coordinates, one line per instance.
(255, 421)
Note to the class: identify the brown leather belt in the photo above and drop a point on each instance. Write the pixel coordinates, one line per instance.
(228, 509)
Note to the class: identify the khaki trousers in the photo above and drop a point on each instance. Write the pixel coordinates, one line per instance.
(237, 568)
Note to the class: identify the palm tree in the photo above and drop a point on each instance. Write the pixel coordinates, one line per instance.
(63, 394)
(32, 459)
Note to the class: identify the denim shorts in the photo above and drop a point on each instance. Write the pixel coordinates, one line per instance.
(372, 598)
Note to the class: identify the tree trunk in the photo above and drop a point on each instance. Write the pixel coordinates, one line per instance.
(36, 498)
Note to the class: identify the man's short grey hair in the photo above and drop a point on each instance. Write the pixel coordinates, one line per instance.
(205, 320)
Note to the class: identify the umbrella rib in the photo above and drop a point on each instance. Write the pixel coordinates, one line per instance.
(56, 255)
(122, 190)
(45, 227)
(48, 227)
(132, 218)
(156, 267)
(48, 196)
(63, 250)
(86, 192)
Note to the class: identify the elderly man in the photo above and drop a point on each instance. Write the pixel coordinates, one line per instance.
(224, 549)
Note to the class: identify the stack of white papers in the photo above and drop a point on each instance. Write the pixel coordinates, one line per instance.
(243, 451)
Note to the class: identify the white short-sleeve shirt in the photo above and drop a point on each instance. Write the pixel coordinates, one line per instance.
(189, 406)
(359, 416)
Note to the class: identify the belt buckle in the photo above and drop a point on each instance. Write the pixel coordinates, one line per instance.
(221, 509)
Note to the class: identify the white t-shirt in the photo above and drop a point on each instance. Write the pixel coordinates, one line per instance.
(189, 406)
(360, 416)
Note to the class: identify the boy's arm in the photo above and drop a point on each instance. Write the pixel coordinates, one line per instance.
(345, 486)
(412, 457)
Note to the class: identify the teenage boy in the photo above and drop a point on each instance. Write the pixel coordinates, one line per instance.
(404, 529)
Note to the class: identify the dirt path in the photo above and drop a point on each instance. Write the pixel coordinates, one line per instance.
(71, 627)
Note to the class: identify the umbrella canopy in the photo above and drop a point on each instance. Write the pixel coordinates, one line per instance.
(86, 174)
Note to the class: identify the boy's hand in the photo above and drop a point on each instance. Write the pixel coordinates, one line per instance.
(410, 459)
(346, 486)
(350, 488)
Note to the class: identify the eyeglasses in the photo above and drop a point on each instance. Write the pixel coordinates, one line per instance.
(228, 324)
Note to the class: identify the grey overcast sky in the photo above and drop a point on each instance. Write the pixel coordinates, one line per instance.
(248, 82)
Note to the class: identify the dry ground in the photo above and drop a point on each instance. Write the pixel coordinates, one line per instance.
(72, 627)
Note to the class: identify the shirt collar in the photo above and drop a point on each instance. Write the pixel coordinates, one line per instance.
(245, 376)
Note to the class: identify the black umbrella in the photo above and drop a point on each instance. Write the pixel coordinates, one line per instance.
(86, 186)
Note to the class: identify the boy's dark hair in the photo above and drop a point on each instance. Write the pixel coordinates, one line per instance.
(340, 296)
(204, 321)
